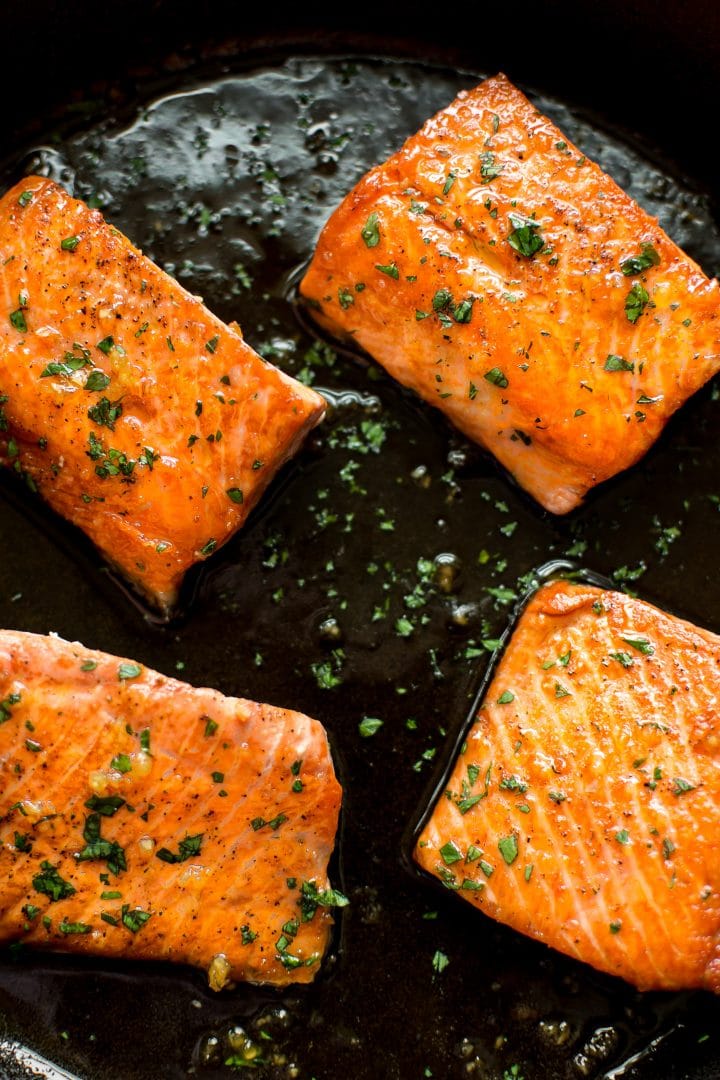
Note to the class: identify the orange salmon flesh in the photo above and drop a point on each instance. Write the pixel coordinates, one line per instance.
(583, 806)
(495, 270)
(142, 818)
(135, 412)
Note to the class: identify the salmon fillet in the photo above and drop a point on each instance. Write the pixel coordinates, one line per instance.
(143, 818)
(582, 810)
(492, 268)
(135, 412)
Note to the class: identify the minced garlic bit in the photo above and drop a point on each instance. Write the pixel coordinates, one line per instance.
(219, 973)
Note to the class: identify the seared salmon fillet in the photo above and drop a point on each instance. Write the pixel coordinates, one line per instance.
(133, 410)
(143, 818)
(582, 810)
(492, 268)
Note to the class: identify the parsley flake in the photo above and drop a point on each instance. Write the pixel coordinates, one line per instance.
(508, 848)
(636, 301)
(637, 263)
(525, 238)
(129, 670)
(496, 377)
(618, 363)
(370, 231)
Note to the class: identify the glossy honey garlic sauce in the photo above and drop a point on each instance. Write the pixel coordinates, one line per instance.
(368, 590)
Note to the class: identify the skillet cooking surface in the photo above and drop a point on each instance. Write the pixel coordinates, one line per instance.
(364, 587)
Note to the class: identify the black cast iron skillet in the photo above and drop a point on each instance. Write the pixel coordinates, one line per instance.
(259, 135)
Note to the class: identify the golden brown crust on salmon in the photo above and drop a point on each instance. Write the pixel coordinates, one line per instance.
(504, 277)
(582, 809)
(134, 411)
(144, 818)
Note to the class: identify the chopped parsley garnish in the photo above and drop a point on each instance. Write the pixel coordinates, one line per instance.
(209, 547)
(489, 169)
(462, 312)
(623, 836)
(445, 306)
(681, 786)
(508, 848)
(447, 186)
(311, 898)
(107, 805)
(134, 918)
(561, 691)
(327, 672)
(345, 298)
(511, 783)
(112, 462)
(6, 706)
(525, 238)
(17, 319)
(122, 763)
(450, 853)
(97, 380)
(106, 345)
(74, 927)
(106, 412)
(24, 198)
(247, 935)
(637, 263)
(129, 670)
(51, 884)
(615, 927)
(440, 961)
(636, 301)
(369, 725)
(69, 243)
(641, 644)
(496, 377)
(390, 269)
(235, 494)
(370, 231)
(71, 362)
(622, 658)
(506, 697)
(274, 823)
(618, 363)
(211, 726)
(187, 849)
(212, 344)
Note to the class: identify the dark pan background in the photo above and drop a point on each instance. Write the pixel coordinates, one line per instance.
(379, 1008)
